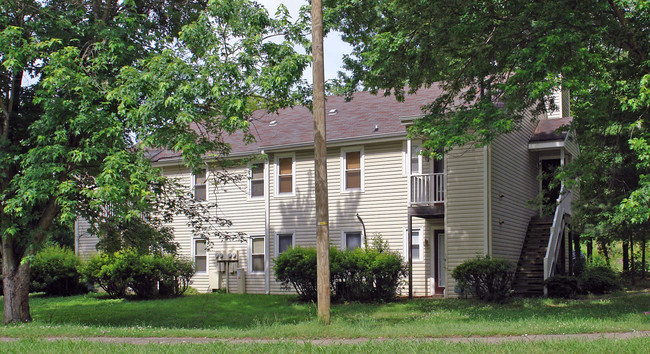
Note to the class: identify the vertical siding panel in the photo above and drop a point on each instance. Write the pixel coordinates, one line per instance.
(465, 208)
(514, 184)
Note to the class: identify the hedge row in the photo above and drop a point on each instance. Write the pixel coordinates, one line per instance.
(371, 274)
(58, 271)
(593, 280)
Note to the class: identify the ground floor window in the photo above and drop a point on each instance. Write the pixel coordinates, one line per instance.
(200, 256)
(352, 240)
(257, 253)
(416, 247)
(284, 241)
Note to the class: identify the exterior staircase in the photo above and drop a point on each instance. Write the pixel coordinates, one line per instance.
(529, 276)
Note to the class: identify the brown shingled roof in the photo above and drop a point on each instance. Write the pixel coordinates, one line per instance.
(547, 130)
(353, 119)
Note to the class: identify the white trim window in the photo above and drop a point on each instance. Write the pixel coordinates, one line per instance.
(256, 180)
(200, 185)
(200, 255)
(352, 169)
(284, 241)
(351, 240)
(285, 168)
(417, 248)
(256, 254)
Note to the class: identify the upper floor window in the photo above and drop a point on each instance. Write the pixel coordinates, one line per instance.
(285, 175)
(352, 240)
(352, 169)
(199, 182)
(256, 186)
(422, 164)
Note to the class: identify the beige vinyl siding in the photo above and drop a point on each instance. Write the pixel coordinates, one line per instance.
(465, 208)
(571, 144)
(566, 103)
(86, 242)
(382, 204)
(246, 215)
(514, 183)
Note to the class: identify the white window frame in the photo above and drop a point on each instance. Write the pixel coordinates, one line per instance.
(344, 238)
(207, 188)
(344, 152)
(277, 240)
(293, 175)
(420, 243)
(207, 256)
(250, 255)
(250, 180)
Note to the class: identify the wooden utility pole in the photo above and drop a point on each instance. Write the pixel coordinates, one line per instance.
(320, 165)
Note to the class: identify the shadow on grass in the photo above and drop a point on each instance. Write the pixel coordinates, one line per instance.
(194, 311)
(213, 311)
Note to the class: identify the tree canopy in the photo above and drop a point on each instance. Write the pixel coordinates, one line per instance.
(498, 59)
(87, 88)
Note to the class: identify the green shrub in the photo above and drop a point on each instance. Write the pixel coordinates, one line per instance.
(175, 275)
(562, 286)
(55, 271)
(297, 267)
(372, 274)
(145, 274)
(599, 280)
(487, 278)
(110, 271)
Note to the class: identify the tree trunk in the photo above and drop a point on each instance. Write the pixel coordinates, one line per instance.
(626, 262)
(15, 278)
(590, 249)
(604, 250)
(632, 259)
(643, 264)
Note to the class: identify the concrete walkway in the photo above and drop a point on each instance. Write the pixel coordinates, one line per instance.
(332, 341)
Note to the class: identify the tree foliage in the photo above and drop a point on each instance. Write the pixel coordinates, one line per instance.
(88, 88)
(497, 60)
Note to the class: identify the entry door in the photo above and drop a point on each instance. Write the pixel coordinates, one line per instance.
(548, 168)
(438, 263)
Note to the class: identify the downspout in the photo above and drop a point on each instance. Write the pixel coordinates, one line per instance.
(76, 237)
(487, 222)
(365, 238)
(267, 227)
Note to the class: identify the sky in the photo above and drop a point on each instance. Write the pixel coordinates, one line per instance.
(334, 47)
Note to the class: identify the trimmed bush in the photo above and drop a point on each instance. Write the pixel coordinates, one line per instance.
(562, 286)
(487, 278)
(175, 275)
(599, 280)
(55, 271)
(372, 274)
(110, 271)
(146, 275)
(296, 267)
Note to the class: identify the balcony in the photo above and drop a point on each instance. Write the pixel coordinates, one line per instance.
(426, 189)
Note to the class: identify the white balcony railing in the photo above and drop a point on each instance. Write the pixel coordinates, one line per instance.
(427, 188)
(557, 230)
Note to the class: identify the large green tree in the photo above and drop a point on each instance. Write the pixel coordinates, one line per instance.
(497, 59)
(87, 87)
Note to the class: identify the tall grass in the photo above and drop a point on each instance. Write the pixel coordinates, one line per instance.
(270, 316)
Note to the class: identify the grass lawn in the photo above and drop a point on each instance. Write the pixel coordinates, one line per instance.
(636, 345)
(265, 316)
